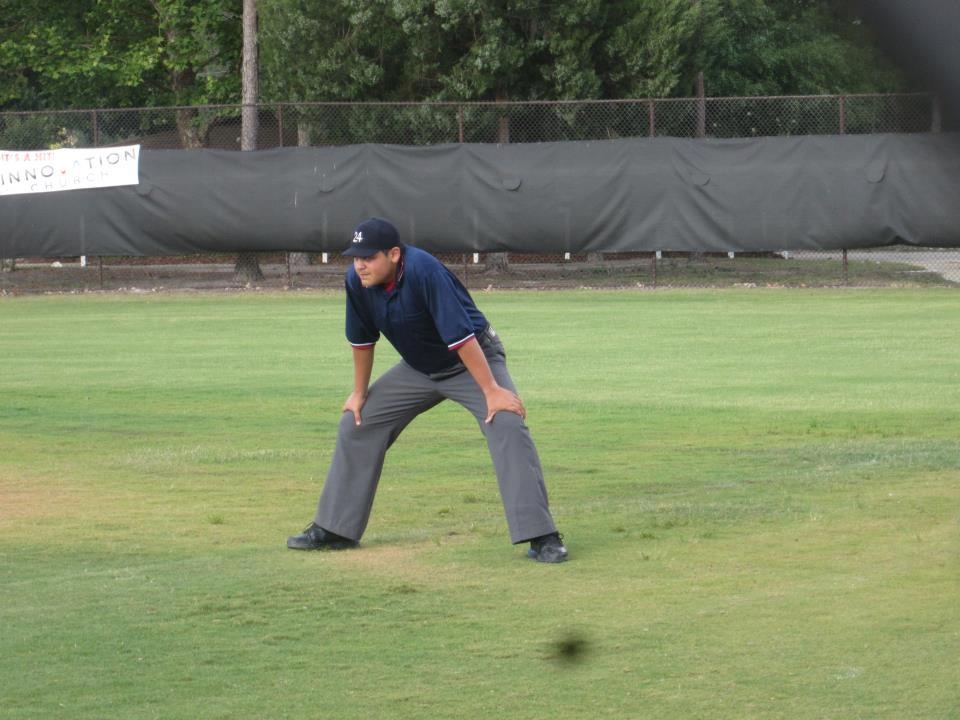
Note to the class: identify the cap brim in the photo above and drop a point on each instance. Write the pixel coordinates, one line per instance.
(354, 251)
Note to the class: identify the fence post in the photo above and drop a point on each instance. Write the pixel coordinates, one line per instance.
(846, 268)
(466, 279)
(936, 123)
(280, 125)
(652, 118)
(843, 116)
(95, 140)
(701, 107)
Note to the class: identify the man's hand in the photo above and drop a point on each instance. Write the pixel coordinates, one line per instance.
(354, 404)
(499, 398)
(362, 368)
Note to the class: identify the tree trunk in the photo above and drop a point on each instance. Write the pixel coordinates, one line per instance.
(192, 134)
(247, 268)
(304, 133)
(248, 133)
(698, 257)
(495, 263)
(304, 128)
(499, 262)
(188, 130)
(300, 260)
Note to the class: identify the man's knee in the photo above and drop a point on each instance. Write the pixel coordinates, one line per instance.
(348, 426)
(505, 423)
(370, 432)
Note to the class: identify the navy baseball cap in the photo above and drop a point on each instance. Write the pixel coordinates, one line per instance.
(372, 236)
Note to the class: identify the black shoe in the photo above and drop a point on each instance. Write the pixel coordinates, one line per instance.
(316, 538)
(548, 549)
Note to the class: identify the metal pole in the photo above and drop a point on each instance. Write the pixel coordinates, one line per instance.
(652, 118)
(936, 123)
(654, 269)
(94, 128)
(280, 125)
(100, 270)
(846, 268)
(843, 117)
(701, 107)
(460, 139)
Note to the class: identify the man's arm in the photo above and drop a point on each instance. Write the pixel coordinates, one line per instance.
(362, 369)
(498, 398)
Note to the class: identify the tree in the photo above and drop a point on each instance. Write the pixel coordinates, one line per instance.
(652, 50)
(325, 51)
(247, 268)
(117, 53)
(61, 53)
(200, 56)
(786, 47)
(339, 51)
(121, 53)
(529, 49)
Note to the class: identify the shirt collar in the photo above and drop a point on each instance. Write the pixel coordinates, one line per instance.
(396, 281)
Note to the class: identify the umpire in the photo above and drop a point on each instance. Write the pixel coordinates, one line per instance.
(448, 350)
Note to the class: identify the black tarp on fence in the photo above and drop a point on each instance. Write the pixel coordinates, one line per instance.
(794, 193)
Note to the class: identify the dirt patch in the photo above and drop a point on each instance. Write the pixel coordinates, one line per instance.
(23, 498)
(401, 563)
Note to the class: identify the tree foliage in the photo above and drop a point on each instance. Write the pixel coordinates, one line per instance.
(325, 51)
(785, 47)
(95, 53)
(119, 53)
(567, 49)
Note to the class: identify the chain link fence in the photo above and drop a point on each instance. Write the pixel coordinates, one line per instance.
(326, 124)
(887, 267)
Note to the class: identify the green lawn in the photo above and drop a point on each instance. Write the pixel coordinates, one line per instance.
(759, 490)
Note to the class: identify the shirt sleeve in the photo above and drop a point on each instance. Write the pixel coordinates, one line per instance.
(449, 315)
(361, 332)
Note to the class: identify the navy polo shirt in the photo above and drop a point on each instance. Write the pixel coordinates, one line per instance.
(427, 314)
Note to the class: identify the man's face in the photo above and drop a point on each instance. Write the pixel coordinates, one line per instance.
(379, 269)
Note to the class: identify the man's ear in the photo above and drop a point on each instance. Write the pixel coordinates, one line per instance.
(394, 254)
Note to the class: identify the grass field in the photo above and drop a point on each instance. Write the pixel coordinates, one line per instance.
(759, 490)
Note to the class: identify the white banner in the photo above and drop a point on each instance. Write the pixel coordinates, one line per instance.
(40, 171)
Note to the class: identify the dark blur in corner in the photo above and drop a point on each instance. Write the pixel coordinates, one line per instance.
(922, 37)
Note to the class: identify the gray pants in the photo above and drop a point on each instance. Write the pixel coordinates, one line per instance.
(394, 400)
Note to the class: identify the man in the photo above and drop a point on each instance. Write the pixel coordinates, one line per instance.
(448, 350)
